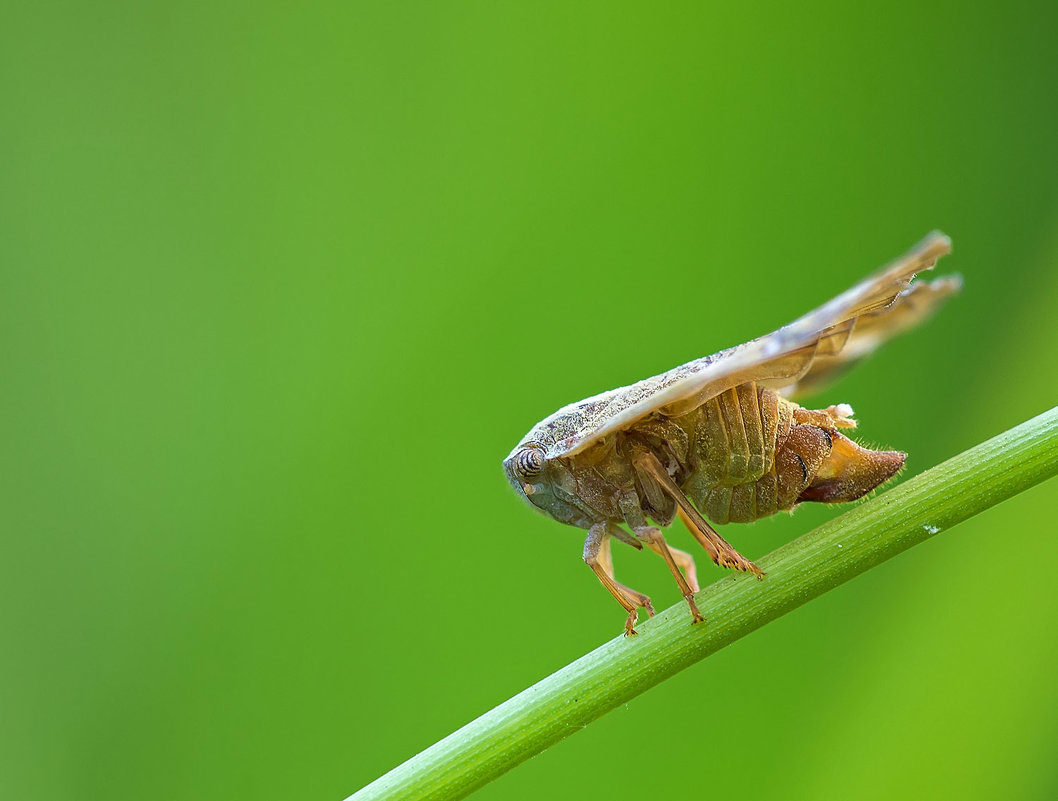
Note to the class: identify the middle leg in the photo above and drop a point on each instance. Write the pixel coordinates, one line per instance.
(653, 539)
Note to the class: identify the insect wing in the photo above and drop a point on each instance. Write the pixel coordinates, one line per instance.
(786, 359)
(913, 306)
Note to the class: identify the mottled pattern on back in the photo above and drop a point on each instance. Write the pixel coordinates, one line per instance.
(564, 429)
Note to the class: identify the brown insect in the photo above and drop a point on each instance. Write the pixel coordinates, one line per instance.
(719, 435)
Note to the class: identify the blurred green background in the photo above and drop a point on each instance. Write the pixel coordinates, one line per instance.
(282, 285)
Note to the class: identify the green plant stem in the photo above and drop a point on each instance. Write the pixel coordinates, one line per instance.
(863, 537)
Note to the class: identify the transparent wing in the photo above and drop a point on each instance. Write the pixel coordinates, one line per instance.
(798, 357)
(867, 332)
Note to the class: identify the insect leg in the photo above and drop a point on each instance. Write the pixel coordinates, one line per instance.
(597, 555)
(832, 417)
(720, 551)
(685, 562)
(654, 540)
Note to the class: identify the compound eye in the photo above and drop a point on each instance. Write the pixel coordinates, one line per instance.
(528, 462)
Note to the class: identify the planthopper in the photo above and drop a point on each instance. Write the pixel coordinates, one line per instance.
(720, 438)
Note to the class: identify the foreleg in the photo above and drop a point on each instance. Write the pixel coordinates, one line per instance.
(597, 555)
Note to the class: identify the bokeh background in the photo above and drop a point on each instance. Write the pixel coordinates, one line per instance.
(281, 284)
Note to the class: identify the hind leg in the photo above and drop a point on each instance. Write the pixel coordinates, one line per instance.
(719, 549)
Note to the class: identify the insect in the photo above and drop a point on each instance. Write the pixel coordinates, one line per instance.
(720, 437)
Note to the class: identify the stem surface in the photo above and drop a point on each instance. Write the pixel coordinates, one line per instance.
(799, 571)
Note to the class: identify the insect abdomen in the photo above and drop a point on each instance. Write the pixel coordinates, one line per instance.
(733, 440)
(752, 453)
